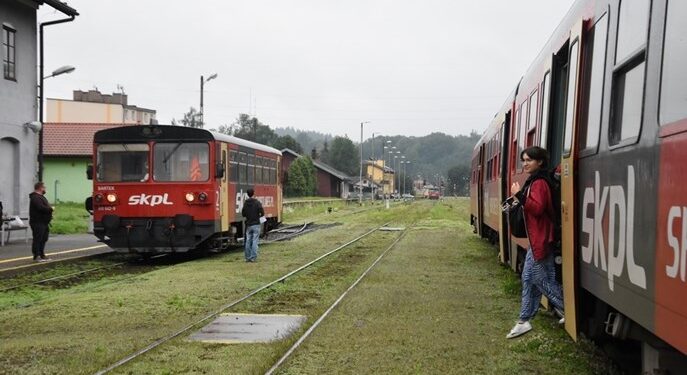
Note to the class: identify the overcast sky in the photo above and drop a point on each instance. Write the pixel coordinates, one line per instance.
(409, 67)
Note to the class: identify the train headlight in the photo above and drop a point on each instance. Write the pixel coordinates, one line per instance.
(202, 197)
(98, 198)
(190, 197)
(111, 197)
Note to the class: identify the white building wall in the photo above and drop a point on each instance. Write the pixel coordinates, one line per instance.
(18, 105)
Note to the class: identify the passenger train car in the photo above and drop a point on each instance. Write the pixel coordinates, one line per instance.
(607, 96)
(174, 189)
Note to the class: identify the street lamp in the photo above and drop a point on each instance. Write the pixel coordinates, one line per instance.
(360, 181)
(202, 84)
(61, 70)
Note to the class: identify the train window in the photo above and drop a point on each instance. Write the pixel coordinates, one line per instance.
(233, 168)
(633, 22)
(181, 161)
(521, 131)
(123, 162)
(674, 76)
(251, 169)
(258, 169)
(593, 85)
(626, 114)
(570, 97)
(546, 90)
(242, 168)
(532, 111)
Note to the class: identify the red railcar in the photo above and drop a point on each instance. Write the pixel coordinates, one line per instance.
(175, 189)
(606, 96)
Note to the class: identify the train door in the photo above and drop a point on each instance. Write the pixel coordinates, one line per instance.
(223, 200)
(504, 240)
(480, 192)
(568, 158)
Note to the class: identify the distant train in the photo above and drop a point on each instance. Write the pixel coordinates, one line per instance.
(174, 189)
(607, 96)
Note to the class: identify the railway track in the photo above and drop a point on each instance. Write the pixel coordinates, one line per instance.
(236, 302)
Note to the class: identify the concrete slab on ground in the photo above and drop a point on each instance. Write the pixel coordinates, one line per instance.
(248, 328)
(17, 253)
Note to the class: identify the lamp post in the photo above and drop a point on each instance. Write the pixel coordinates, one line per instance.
(360, 181)
(61, 70)
(203, 81)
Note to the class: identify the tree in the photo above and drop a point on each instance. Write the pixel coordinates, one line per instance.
(301, 180)
(287, 141)
(458, 180)
(344, 156)
(191, 119)
(251, 129)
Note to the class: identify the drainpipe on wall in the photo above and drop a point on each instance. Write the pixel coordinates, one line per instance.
(41, 91)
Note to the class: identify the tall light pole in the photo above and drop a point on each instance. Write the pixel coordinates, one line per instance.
(360, 181)
(61, 70)
(202, 86)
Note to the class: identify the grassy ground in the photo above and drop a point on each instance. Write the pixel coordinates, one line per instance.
(89, 326)
(69, 218)
(438, 303)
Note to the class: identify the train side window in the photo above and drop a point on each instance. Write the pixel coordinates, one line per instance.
(251, 169)
(628, 74)
(546, 92)
(633, 23)
(593, 85)
(532, 110)
(674, 75)
(233, 166)
(242, 168)
(521, 131)
(570, 97)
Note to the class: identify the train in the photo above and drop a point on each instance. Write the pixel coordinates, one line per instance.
(606, 96)
(161, 189)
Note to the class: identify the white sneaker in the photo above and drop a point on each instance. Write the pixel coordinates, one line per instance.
(519, 330)
(562, 321)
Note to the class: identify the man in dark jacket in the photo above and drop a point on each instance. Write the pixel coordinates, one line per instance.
(253, 212)
(40, 215)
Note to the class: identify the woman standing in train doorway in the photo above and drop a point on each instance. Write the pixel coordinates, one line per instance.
(538, 274)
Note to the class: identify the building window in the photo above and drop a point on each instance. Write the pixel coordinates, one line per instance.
(593, 84)
(628, 74)
(673, 88)
(9, 56)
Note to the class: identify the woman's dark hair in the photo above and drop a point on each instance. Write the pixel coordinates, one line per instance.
(536, 153)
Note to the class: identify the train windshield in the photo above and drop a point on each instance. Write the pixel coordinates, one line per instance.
(181, 161)
(123, 162)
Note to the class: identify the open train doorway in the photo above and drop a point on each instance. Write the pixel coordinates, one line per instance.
(553, 128)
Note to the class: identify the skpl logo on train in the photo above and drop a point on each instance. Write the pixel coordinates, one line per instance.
(149, 200)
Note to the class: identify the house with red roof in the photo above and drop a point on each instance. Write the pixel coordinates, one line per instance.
(68, 149)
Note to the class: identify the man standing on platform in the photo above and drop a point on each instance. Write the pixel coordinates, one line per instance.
(254, 214)
(40, 215)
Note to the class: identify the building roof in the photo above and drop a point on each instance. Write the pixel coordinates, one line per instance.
(62, 7)
(336, 173)
(70, 139)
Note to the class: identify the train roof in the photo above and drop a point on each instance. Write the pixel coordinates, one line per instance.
(173, 133)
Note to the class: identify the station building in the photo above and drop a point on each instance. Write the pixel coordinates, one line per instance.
(19, 130)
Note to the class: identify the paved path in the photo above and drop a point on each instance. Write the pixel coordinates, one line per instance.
(17, 253)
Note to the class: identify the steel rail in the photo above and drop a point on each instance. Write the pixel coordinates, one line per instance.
(307, 333)
(72, 274)
(229, 305)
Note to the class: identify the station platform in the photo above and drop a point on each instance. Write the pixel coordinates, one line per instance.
(17, 253)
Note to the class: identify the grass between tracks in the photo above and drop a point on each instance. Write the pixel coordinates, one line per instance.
(89, 326)
(438, 303)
